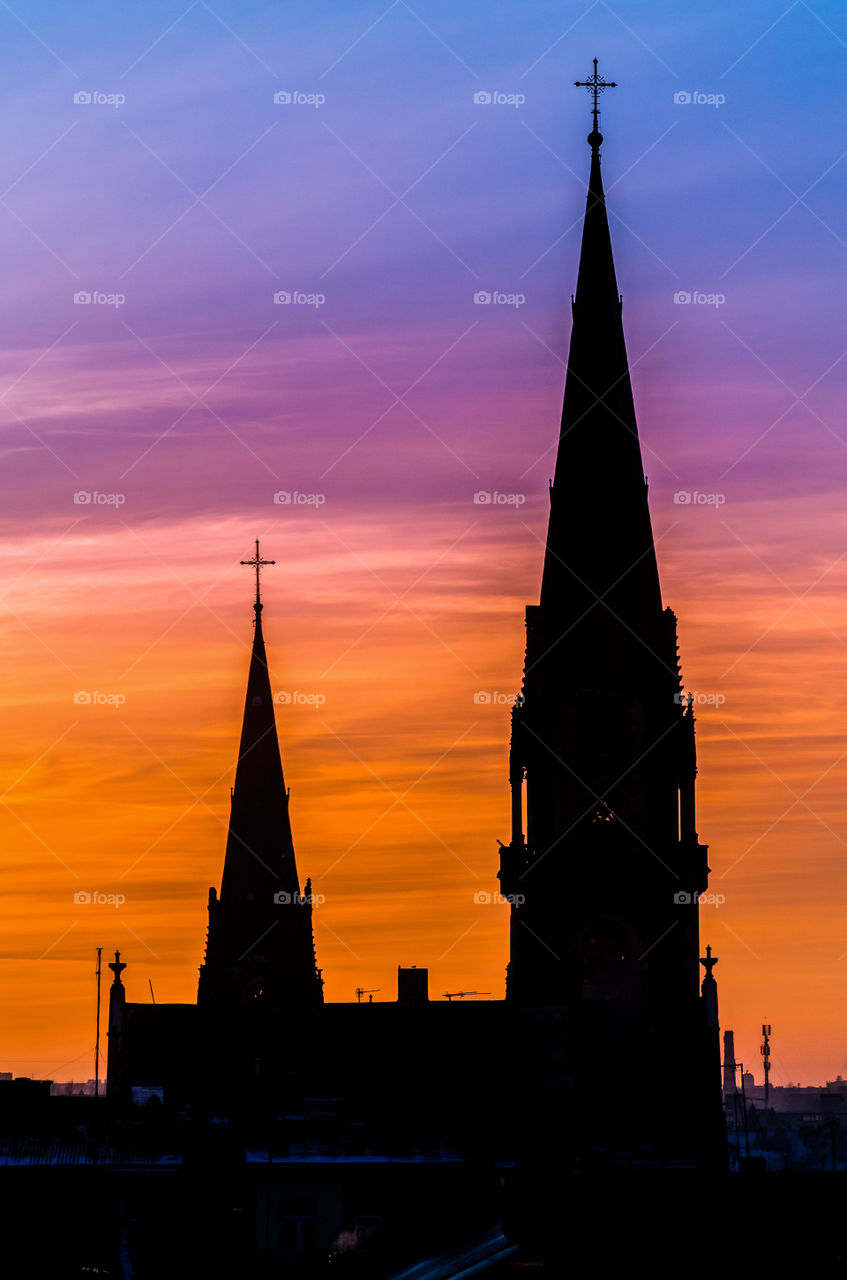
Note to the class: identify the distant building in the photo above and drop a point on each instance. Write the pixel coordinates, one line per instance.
(798, 1127)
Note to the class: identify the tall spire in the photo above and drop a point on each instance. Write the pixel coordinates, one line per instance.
(600, 563)
(602, 753)
(260, 931)
(605, 867)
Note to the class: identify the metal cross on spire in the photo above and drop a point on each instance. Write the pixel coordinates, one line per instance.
(257, 563)
(595, 85)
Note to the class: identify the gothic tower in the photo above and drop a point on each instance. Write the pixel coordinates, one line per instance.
(604, 864)
(260, 946)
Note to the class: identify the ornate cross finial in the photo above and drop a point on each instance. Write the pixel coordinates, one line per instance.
(257, 563)
(595, 85)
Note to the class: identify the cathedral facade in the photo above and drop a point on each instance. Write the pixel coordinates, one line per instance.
(603, 1053)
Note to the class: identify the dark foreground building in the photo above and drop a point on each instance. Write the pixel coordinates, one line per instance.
(309, 1133)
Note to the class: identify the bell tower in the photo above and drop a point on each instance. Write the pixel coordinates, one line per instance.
(604, 865)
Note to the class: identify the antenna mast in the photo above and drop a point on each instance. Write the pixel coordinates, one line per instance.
(766, 1054)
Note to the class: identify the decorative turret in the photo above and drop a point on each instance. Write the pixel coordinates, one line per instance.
(116, 1085)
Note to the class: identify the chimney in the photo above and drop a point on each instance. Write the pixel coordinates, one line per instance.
(730, 1083)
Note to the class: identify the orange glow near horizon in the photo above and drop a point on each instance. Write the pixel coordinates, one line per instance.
(399, 777)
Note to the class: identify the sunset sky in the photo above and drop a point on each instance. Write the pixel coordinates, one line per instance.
(185, 399)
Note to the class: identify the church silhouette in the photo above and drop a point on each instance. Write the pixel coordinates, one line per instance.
(603, 1056)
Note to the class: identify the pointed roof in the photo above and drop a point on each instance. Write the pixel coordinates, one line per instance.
(260, 849)
(260, 945)
(600, 540)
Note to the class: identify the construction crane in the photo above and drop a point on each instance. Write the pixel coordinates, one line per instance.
(370, 993)
(460, 995)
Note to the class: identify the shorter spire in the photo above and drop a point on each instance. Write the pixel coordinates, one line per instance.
(260, 943)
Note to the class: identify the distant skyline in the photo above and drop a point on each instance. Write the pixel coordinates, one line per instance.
(396, 598)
